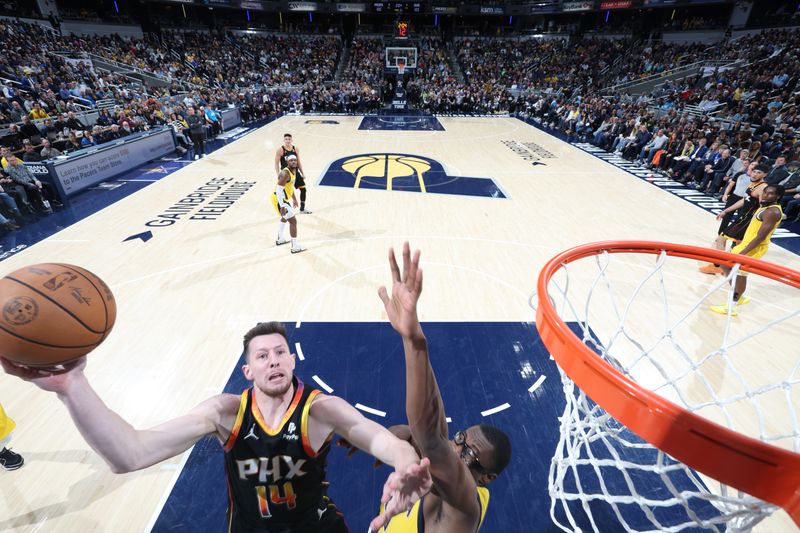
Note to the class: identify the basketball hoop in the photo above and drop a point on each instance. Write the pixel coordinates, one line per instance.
(401, 67)
(629, 374)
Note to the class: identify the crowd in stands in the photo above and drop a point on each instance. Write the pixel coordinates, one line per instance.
(694, 23)
(535, 65)
(750, 104)
(754, 120)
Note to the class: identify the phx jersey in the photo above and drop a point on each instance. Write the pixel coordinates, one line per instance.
(276, 482)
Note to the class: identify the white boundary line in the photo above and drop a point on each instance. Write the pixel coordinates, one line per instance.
(371, 410)
(497, 409)
(299, 351)
(537, 383)
(322, 383)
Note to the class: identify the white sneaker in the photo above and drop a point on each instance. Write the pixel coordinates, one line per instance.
(306, 211)
(299, 249)
(196, 157)
(284, 241)
(204, 156)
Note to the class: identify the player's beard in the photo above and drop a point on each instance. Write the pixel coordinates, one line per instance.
(276, 391)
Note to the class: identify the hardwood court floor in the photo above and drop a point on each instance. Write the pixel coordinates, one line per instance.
(190, 288)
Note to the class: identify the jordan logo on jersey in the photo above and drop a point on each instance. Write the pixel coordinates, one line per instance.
(252, 433)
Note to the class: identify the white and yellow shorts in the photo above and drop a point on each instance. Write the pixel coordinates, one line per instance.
(7, 425)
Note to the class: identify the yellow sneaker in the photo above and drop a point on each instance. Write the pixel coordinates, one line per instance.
(744, 300)
(723, 309)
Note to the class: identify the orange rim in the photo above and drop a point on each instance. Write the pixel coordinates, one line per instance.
(750, 465)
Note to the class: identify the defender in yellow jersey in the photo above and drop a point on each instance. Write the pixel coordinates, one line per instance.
(462, 467)
(282, 155)
(280, 201)
(414, 520)
(755, 242)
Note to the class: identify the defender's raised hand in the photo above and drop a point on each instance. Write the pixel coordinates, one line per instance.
(401, 307)
(402, 490)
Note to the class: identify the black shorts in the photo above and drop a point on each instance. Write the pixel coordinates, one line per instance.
(299, 182)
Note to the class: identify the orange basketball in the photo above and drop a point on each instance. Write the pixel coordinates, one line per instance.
(53, 313)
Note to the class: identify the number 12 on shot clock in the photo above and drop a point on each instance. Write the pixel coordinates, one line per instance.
(402, 29)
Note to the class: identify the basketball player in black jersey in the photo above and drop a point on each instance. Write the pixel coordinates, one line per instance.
(281, 155)
(276, 437)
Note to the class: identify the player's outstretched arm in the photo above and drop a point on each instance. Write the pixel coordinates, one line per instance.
(411, 479)
(333, 414)
(123, 447)
(424, 406)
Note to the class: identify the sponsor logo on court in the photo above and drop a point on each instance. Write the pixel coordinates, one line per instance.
(405, 172)
(529, 151)
(208, 202)
(320, 121)
(20, 311)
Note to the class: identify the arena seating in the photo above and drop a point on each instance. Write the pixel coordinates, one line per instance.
(746, 101)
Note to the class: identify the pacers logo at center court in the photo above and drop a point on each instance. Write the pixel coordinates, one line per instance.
(388, 167)
(407, 172)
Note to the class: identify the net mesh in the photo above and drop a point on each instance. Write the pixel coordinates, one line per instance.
(648, 316)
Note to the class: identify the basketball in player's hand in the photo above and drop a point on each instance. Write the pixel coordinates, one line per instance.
(53, 313)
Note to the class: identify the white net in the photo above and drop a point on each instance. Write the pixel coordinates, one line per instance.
(649, 316)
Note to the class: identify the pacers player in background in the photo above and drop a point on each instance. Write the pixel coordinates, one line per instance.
(282, 155)
(276, 437)
(461, 468)
(280, 201)
(755, 242)
(8, 459)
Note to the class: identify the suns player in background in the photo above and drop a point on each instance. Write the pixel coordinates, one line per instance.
(8, 459)
(276, 437)
(284, 190)
(755, 242)
(745, 207)
(282, 155)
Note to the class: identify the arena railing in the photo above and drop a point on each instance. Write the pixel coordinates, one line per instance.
(696, 66)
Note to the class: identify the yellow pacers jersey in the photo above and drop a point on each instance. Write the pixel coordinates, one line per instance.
(289, 188)
(6, 424)
(413, 521)
(752, 231)
(289, 184)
